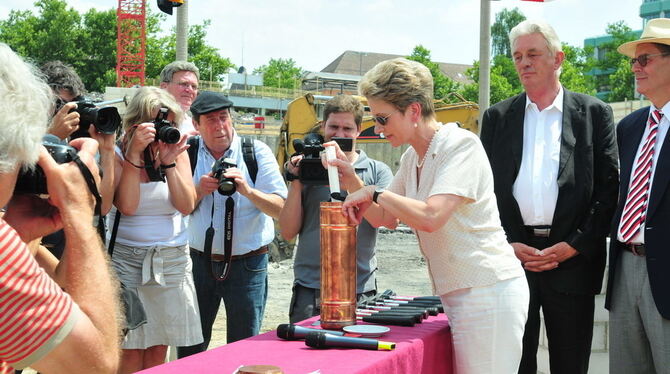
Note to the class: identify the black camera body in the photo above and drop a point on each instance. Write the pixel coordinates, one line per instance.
(106, 119)
(165, 132)
(34, 181)
(311, 170)
(226, 185)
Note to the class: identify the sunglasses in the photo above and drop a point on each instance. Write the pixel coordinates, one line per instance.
(643, 60)
(381, 120)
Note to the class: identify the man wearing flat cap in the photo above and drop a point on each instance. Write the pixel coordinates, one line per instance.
(232, 264)
(638, 288)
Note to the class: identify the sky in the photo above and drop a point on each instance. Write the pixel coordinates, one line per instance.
(315, 32)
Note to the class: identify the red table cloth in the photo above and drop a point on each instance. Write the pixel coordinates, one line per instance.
(424, 348)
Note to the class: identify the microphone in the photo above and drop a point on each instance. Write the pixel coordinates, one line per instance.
(319, 339)
(290, 331)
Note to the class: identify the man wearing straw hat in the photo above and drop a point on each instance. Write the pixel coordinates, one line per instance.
(638, 288)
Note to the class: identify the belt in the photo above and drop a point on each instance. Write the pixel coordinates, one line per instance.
(636, 249)
(539, 231)
(220, 258)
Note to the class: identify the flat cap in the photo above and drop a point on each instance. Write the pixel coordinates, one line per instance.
(209, 101)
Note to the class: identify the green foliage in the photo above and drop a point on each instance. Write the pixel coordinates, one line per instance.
(614, 69)
(161, 51)
(573, 68)
(504, 81)
(281, 73)
(442, 85)
(505, 21)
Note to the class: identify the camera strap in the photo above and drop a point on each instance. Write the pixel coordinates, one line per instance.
(227, 240)
(155, 175)
(90, 181)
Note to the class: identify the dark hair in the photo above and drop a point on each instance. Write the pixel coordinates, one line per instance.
(344, 104)
(664, 48)
(61, 76)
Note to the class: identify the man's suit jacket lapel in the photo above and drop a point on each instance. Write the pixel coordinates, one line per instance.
(573, 118)
(514, 132)
(661, 177)
(629, 140)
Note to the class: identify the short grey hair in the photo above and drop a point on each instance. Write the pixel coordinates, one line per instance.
(528, 27)
(177, 66)
(27, 102)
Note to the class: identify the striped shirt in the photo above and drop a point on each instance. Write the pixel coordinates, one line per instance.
(35, 314)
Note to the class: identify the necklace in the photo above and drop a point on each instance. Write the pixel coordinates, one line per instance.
(419, 165)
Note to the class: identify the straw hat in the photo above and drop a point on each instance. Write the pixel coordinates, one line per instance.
(657, 30)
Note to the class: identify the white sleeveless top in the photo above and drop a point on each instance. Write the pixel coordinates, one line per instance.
(156, 221)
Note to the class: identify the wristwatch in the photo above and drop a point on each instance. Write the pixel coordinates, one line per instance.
(375, 195)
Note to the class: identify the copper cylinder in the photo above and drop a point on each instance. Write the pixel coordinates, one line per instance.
(338, 268)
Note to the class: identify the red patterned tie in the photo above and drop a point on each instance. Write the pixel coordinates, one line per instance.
(634, 212)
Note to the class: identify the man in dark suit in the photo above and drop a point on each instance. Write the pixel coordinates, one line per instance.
(554, 161)
(638, 287)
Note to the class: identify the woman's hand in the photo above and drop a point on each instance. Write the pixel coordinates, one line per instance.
(143, 135)
(65, 122)
(357, 203)
(345, 169)
(167, 153)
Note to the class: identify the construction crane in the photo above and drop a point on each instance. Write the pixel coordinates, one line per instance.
(130, 43)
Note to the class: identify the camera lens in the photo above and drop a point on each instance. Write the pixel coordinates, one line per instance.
(168, 134)
(226, 187)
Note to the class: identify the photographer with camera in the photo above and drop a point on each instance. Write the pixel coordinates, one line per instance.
(231, 227)
(44, 327)
(343, 115)
(69, 89)
(154, 194)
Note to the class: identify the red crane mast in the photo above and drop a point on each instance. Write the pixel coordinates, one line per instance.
(130, 43)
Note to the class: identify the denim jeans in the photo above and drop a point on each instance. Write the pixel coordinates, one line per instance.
(244, 294)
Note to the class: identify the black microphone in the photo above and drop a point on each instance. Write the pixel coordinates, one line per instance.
(288, 331)
(322, 340)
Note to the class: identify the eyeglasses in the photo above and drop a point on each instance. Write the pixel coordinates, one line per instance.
(381, 120)
(644, 59)
(186, 85)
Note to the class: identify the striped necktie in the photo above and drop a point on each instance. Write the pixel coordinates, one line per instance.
(634, 212)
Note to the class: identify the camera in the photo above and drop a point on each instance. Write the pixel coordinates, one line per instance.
(34, 181)
(311, 168)
(106, 119)
(226, 185)
(165, 132)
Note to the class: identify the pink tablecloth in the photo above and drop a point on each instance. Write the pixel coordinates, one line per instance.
(424, 348)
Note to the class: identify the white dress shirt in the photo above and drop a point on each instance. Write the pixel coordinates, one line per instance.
(660, 137)
(536, 186)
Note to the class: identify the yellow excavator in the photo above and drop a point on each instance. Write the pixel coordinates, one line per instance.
(303, 116)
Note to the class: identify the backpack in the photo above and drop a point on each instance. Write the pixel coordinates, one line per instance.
(248, 153)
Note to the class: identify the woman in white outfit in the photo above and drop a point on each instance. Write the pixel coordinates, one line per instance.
(154, 193)
(444, 191)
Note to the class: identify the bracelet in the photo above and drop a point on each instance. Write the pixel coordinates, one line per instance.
(137, 166)
(168, 166)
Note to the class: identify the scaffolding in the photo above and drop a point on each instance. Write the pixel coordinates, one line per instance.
(130, 43)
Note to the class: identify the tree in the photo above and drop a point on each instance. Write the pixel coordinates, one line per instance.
(505, 21)
(162, 51)
(282, 73)
(442, 85)
(573, 68)
(88, 42)
(504, 80)
(612, 71)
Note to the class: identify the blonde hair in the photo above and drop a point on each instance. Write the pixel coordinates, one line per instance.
(400, 82)
(27, 102)
(142, 107)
